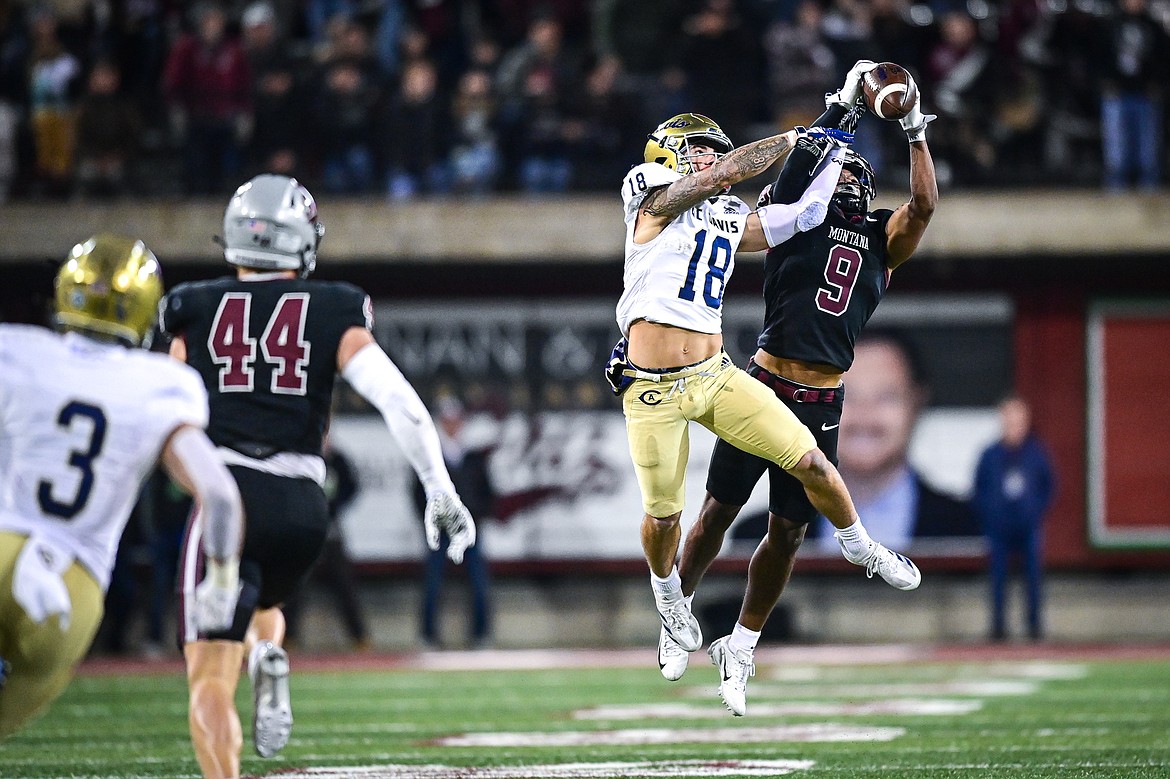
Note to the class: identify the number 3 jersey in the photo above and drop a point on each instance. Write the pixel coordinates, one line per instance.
(679, 277)
(82, 424)
(267, 352)
(822, 286)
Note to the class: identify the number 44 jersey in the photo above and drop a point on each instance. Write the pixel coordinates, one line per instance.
(267, 351)
(82, 424)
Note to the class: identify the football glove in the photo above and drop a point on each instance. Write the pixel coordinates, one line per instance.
(830, 136)
(850, 92)
(914, 123)
(37, 585)
(216, 596)
(445, 513)
(614, 375)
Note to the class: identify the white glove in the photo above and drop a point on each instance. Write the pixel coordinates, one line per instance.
(216, 596)
(850, 92)
(37, 584)
(914, 123)
(446, 513)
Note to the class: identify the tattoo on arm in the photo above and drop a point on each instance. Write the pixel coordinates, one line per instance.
(739, 164)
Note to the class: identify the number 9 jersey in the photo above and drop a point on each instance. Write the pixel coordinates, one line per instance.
(679, 277)
(266, 349)
(82, 424)
(822, 286)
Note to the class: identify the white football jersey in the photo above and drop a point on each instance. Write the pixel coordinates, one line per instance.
(81, 426)
(680, 276)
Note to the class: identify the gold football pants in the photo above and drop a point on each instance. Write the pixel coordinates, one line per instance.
(722, 398)
(42, 658)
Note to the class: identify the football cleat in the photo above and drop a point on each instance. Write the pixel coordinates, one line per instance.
(898, 570)
(272, 707)
(672, 658)
(680, 624)
(734, 670)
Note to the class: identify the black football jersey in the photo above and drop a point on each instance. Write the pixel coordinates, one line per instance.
(822, 286)
(267, 352)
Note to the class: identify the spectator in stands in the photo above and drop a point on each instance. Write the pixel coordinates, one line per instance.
(717, 48)
(960, 72)
(277, 93)
(333, 568)
(609, 140)
(53, 75)
(208, 85)
(109, 133)
(346, 108)
(801, 67)
(1134, 66)
(537, 82)
(887, 390)
(475, 153)
(418, 111)
(466, 456)
(1014, 487)
(642, 36)
(13, 96)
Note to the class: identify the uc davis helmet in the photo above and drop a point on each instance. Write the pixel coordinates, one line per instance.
(670, 142)
(110, 286)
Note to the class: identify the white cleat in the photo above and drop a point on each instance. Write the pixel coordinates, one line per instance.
(898, 570)
(734, 670)
(680, 623)
(272, 707)
(672, 658)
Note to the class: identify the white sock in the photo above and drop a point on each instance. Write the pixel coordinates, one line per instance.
(668, 589)
(855, 539)
(742, 639)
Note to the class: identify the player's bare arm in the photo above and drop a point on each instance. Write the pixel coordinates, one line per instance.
(665, 203)
(908, 223)
(353, 341)
(178, 348)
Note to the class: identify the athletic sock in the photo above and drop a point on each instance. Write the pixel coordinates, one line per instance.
(667, 589)
(855, 539)
(743, 639)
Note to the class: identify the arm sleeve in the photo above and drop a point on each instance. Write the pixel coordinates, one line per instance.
(371, 373)
(782, 221)
(220, 508)
(798, 168)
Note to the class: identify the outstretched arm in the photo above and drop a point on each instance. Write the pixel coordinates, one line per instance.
(662, 205)
(190, 459)
(772, 225)
(908, 223)
(371, 373)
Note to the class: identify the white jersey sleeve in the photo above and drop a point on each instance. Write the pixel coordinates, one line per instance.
(82, 425)
(640, 180)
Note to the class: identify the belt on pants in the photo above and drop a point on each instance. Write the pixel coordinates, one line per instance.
(797, 393)
(671, 374)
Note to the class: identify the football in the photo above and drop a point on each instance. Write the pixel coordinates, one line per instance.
(889, 91)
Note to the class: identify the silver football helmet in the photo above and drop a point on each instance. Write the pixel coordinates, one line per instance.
(271, 224)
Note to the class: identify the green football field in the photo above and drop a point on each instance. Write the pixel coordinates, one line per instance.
(817, 712)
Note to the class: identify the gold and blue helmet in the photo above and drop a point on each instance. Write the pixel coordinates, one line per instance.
(670, 143)
(109, 287)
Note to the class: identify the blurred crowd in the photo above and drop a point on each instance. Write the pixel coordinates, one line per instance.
(405, 98)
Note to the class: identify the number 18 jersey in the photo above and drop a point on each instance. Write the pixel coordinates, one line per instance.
(82, 424)
(679, 277)
(267, 352)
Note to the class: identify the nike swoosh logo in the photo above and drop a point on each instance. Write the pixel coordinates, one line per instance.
(826, 428)
(870, 219)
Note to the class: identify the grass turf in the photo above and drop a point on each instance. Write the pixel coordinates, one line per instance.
(1017, 718)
